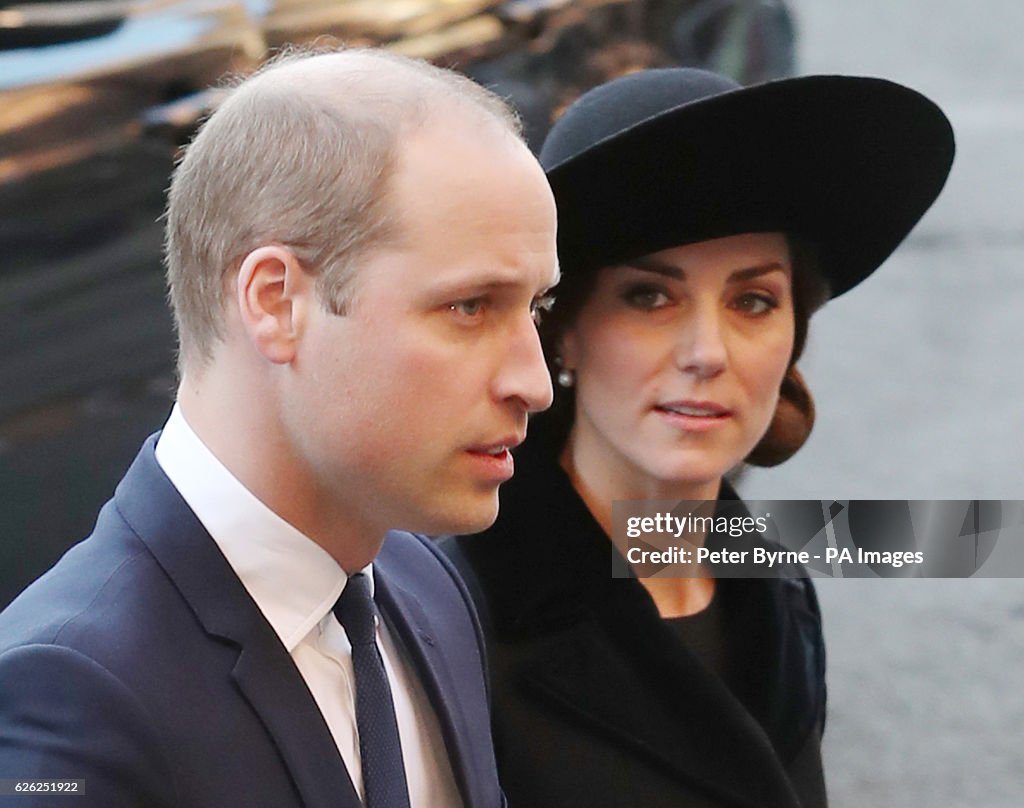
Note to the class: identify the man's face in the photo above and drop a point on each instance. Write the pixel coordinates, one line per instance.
(400, 412)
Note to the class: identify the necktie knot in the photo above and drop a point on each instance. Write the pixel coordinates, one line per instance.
(356, 610)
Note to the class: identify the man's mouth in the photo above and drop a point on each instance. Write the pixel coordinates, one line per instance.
(493, 451)
(498, 448)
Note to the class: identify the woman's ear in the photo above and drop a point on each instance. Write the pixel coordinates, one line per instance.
(567, 346)
(272, 291)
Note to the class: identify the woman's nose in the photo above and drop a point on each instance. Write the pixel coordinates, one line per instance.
(701, 349)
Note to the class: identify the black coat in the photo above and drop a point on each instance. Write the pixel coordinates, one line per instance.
(597, 703)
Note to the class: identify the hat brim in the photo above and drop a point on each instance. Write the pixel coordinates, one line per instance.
(849, 164)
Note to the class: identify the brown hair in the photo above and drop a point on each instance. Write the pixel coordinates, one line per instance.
(300, 157)
(794, 415)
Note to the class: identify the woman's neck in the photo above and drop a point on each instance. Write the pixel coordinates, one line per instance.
(601, 483)
(680, 597)
(599, 486)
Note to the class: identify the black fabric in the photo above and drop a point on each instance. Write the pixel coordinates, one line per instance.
(380, 748)
(596, 701)
(666, 157)
(704, 634)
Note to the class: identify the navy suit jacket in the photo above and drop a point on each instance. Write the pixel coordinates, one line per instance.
(140, 664)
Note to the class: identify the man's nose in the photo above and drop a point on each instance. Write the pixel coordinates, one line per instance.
(701, 349)
(524, 375)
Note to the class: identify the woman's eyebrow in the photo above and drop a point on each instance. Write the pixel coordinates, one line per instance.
(678, 273)
(756, 271)
(658, 267)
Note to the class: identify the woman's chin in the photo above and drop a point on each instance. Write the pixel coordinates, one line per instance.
(692, 482)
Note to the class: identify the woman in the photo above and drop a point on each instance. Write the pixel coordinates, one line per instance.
(700, 224)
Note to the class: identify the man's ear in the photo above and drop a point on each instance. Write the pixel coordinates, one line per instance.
(272, 291)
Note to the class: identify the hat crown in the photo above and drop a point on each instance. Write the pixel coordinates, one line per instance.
(625, 102)
(667, 157)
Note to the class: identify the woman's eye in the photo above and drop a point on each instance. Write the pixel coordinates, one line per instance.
(471, 307)
(756, 303)
(646, 297)
(540, 305)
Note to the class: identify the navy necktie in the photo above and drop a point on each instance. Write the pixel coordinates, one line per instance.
(384, 783)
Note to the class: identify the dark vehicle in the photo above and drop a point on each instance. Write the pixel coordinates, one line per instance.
(97, 96)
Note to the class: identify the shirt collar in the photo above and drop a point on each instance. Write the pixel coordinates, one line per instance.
(292, 579)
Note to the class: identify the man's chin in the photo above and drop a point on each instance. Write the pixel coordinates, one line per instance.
(472, 517)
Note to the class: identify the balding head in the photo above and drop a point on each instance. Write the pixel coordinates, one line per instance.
(300, 155)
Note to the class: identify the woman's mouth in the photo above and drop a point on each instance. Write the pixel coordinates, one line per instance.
(694, 416)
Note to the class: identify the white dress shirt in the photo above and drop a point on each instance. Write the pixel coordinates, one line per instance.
(295, 583)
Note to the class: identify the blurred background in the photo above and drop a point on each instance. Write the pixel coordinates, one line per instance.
(97, 96)
(917, 376)
(916, 373)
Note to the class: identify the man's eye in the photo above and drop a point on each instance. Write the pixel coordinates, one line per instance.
(540, 305)
(472, 307)
(646, 297)
(756, 303)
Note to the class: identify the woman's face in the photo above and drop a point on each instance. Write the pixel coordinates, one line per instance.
(679, 356)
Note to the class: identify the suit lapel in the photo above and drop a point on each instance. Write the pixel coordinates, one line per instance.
(264, 672)
(274, 688)
(409, 620)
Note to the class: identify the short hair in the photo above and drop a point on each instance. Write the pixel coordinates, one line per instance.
(302, 158)
(794, 416)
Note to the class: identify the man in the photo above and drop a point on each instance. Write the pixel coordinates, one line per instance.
(357, 246)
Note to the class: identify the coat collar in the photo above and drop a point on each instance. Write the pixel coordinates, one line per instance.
(624, 677)
(546, 561)
(264, 672)
(601, 653)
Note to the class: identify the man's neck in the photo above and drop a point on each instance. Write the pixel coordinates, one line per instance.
(250, 443)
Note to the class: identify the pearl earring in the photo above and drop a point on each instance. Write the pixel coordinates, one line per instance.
(566, 378)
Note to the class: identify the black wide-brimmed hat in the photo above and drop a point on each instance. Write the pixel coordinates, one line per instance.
(667, 157)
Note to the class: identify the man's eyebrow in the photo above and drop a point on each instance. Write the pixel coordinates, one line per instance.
(481, 281)
(678, 273)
